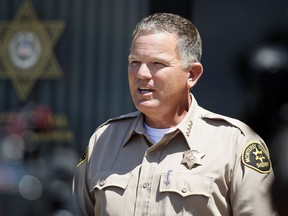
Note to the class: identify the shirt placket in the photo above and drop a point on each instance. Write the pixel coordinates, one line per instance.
(145, 193)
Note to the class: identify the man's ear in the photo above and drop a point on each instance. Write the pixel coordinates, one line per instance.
(195, 72)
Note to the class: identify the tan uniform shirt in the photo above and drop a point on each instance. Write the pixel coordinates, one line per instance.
(209, 165)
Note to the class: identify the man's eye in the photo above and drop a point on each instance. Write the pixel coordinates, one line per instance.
(134, 63)
(159, 64)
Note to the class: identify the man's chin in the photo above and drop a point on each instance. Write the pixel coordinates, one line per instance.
(146, 106)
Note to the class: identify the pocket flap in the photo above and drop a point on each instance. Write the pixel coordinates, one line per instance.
(186, 184)
(111, 179)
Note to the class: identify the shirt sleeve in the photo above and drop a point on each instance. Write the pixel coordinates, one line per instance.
(251, 181)
(84, 199)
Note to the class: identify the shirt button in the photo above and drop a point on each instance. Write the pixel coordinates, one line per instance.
(184, 190)
(102, 183)
(152, 154)
(145, 185)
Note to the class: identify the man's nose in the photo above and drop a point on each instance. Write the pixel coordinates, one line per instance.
(144, 72)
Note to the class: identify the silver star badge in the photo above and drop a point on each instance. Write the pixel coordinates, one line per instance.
(192, 157)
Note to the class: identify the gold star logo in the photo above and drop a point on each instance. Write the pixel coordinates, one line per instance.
(26, 49)
(258, 155)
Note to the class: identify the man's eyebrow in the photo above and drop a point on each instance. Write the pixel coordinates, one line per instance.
(131, 56)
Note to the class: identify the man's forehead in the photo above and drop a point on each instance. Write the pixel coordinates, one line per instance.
(161, 39)
(152, 32)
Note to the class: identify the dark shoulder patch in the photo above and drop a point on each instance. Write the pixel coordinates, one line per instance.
(84, 157)
(255, 156)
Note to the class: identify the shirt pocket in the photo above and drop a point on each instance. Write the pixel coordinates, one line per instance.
(109, 189)
(184, 194)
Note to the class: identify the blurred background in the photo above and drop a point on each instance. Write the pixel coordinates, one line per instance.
(63, 71)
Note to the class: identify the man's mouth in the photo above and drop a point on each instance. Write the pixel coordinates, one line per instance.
(145, 90)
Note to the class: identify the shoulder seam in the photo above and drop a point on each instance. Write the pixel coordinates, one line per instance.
(119, 118)
(232, 121)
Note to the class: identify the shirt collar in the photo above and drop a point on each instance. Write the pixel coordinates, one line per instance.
(136, 126)
(185, 126)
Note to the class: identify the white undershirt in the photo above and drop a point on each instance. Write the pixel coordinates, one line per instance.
(156, 134)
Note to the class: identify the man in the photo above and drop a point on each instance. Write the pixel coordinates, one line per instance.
(172, 157)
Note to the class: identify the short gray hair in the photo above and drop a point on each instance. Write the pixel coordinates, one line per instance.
(189, 44)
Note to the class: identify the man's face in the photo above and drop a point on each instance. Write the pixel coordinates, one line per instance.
(158, 83)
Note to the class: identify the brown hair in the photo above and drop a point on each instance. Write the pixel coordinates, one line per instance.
(189, 43)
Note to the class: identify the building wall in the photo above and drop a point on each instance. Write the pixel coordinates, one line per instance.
(93, 48)
(93, 54)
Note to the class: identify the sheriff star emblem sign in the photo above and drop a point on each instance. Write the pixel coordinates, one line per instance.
(26, 49)
(191, 158)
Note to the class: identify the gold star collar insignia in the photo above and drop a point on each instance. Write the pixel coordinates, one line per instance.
(26, 46)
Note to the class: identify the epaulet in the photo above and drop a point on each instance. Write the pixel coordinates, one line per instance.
(120, 118)
(255, 154)
(244, 128)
